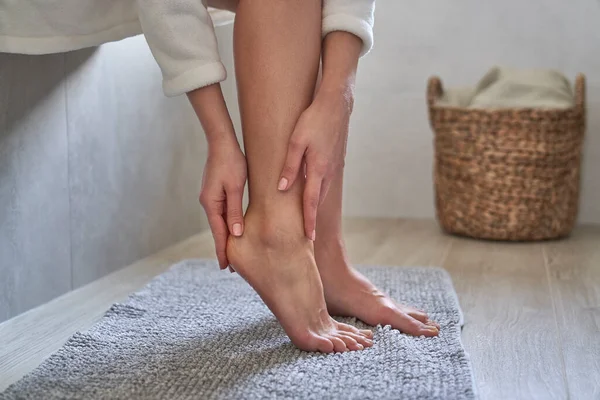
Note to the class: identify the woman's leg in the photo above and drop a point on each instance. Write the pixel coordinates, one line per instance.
(347, 292)
(277, 51)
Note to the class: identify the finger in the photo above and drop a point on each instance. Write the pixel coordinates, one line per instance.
(324, 189)
(220, 233)
(293, 163)
(312, 188)
(235, 213)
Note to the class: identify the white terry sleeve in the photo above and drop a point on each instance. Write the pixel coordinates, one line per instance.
(182, 39)
(353, 16)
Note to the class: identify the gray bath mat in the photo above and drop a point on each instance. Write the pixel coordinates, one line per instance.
(199, 333)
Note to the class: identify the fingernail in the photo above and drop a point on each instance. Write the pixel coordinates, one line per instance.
(313, 235)
(360, 346)
(237, 229)
(231, 269)
(282, 184)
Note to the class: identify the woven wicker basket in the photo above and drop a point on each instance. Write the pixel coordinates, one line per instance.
(510, 174)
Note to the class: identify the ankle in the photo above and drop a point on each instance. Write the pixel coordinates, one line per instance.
(329, 242)
(275, 227)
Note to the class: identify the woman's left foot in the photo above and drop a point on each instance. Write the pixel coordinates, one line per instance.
(348, 293)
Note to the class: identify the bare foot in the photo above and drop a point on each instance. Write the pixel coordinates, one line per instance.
(349, 293)
(278, 262)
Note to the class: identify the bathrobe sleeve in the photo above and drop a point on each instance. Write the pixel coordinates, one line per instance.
(353, 16)
(182, 39)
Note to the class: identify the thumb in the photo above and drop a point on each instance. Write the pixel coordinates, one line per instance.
(235, 213)
(292, 165)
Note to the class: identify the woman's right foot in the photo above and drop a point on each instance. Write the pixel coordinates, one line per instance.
(276, 259)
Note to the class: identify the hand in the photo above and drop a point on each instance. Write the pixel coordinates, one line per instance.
(222, 192)
(318, 141)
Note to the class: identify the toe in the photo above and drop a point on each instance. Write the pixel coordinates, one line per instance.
(346, 327)
(312, 342)
(429, 331)
(418, 315)
(407, 324)
(417, 328)
(323, 345)
(339, 346)
(360, 339)
(367, 332)
(349, 328)
(349, 341)
(433, 323)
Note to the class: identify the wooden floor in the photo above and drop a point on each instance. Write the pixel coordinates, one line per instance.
(532, 311)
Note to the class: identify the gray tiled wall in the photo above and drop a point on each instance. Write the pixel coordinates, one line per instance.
(97, 169)
(135, 158)
(34, 188)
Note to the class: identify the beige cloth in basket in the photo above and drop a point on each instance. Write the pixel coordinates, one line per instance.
(504, 87)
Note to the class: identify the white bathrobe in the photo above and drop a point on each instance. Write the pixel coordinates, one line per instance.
(179, 32)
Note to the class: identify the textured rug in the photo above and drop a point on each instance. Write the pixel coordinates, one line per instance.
(199, 333)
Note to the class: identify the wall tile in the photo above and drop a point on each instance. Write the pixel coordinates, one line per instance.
(34, 203)
(135, 160)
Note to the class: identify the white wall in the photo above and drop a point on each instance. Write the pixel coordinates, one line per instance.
(390, 153)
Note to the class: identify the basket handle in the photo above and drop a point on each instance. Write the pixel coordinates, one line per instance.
(434, 90)
(580, 92)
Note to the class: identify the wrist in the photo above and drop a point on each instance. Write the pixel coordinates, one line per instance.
(209, 104)
(341, 51)
(341, 93)
(222, 139)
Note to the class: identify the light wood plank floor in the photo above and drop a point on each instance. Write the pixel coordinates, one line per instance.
(532, 311)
